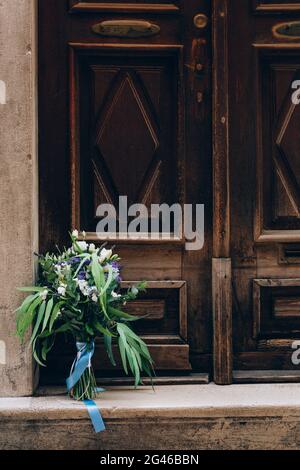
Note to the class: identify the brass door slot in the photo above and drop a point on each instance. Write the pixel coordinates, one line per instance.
(126, 28)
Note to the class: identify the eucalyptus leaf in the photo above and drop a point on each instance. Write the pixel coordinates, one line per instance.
(97, 272)
(123, 354)
(27, 317)
(79, 300)
(35, 355)
(108, 347)
(115, 312)
(25, 304)
(38, 321)
(31, 289)
(47, 313)
(54, 314)
(102, 329)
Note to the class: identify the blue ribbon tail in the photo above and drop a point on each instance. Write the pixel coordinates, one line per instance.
(95, 415)
(85, 352)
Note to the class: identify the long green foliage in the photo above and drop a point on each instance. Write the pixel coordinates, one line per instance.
(79, 294)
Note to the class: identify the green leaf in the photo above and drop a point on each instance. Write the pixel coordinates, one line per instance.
(63, 328)
(123, 354)
(25, 319)
(138, 357)
(136, 352)
(121, 333)
(115, 312)
(109, 279)
(35, 355)
(38, 321)
(97, 272)
(31, 289)
(47, 313)
(27, 301)
(136, 369)
(102, 301)
(129, 332)
(54, 314)
(139, 347)
(108, 347)
(145, 351)
(102, 329)
(81, 264)
(47, 345)
(129, 357)
(149, 371)
(141, 343)
(89, 330)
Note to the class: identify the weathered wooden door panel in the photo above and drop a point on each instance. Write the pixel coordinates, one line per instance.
(124, 106)
(264, 164)
(146, 87)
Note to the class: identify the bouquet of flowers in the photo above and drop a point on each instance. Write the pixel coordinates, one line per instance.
(79, 294)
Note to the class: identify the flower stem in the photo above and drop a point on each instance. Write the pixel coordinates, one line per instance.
(86, 387)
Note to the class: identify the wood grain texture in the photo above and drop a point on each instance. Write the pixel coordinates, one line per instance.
(128, 121)
(122, 7)
(276, 7)
(264, 186)
(266, 376)
(222, 312)
(278, 200)
(221, 178)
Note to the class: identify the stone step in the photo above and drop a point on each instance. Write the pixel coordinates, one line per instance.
(179, 417)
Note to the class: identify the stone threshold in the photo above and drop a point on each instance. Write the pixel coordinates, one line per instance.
(264, 416)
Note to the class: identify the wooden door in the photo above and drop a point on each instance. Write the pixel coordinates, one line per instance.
(129, 113)
(264, 161)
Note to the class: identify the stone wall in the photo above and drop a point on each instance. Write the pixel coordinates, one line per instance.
(18, 188)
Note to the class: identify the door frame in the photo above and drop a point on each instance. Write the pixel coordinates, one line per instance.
(221, 261)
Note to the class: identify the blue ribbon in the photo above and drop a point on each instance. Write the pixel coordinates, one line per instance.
(85, 353)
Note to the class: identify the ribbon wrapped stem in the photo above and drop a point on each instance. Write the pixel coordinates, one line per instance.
(81, 383)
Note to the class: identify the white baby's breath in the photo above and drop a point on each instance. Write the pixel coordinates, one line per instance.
(62, 290)
(115, 295)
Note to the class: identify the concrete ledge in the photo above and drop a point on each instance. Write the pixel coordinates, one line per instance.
(171, 417)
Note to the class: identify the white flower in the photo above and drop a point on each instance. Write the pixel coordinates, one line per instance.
(94, 298)
(115, 295)
(83, 286)
(82, 245)
(44, 294)
(92, 248)
(57, 268)
(134, 290)
(104, 254)
(75, 233)
(61, 290)
(59, 313)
